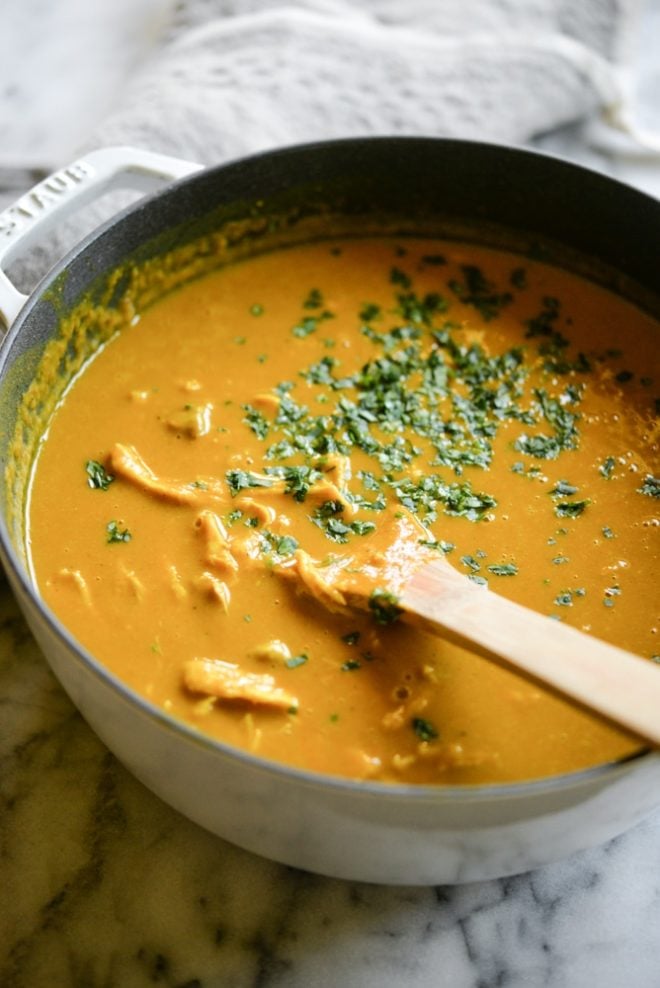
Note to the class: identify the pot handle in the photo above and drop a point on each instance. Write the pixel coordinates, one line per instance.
(65, 191)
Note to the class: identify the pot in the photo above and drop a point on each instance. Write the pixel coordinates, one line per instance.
(356, 830)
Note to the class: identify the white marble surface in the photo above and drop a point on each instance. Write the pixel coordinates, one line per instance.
(102, 886)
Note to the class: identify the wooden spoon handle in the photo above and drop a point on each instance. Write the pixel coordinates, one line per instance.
(622, 686)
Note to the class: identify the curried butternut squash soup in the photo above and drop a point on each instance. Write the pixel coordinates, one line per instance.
(286, 411)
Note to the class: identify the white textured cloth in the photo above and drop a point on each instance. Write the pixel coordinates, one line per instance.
(235, 76)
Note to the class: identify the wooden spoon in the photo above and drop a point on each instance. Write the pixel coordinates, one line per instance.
(435, 596)
(609, 680)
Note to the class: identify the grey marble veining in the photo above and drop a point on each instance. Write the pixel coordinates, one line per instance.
(103, 886)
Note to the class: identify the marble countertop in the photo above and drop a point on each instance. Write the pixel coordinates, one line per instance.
(103, 886)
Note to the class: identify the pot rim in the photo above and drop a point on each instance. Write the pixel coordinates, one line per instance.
(397, 792)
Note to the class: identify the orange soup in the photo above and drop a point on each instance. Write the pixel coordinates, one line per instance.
(259, 421)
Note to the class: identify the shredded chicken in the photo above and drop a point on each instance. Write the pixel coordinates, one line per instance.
(314, 579)
(177, 583)
(135, 584)
(218, 554)
(214, 588)
(192, 421)
(230, 683)
(326, 490)
(126, 462)
(264, 512)
(75, 579)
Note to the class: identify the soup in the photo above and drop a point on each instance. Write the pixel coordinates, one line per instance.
(215, 455)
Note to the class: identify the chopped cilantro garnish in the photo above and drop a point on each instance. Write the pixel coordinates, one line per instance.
(298, 480)
(239, 480)
(503, 569)
(650, 486)
(476, 290)
(566, 597)
(399, 277)
(98, 477)
(518, 278)
(351, 665)
(471, 563)
(424, 729)
(281, 545)
(563, 489)
(607, 466)
(476, 578)
(352, 638)
(296, 661)
(256, 421)
(117, 534)
(440, 544)
(384, 606)
(571, 509)
(305, 327)
(314, 299)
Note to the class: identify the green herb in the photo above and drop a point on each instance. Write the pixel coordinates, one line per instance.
(256, 421)
(471, 563)
(117, 534)
(384, 606)
(624, 376)
(440, 544)
(424, 729)
(650, 486)
(607, 532)
(518, 278)
(305, 327)
(97, 476)
(558, 560)
(351, 665)
(326, 517)
(240, 480)
(352, 638)
(369, 311)
(309, 324)
(479, 580)
(541, 447)
(571, 509)
(566, 597)
(476, 290)
(503, 569)
(200, 485)
(314, 299)
(296, 661)
(563, 489)
(399, 277)
(281, 545)
(256, 309)
(606, 467)
(298, 480)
